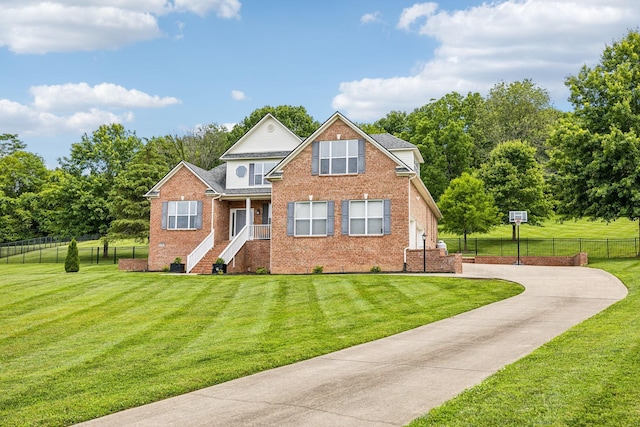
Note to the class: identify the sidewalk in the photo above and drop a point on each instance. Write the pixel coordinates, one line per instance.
(391, 381)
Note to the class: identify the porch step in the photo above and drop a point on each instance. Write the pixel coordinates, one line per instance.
(206, 263)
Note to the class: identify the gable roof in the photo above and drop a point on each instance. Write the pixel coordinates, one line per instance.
(212, 178)
(270, 125)
(393, 143)
(277, 171)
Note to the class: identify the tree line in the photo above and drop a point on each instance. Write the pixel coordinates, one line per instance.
(484, 156)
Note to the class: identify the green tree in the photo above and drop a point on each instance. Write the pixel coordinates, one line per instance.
(9, 143)
(93, 165)
(516, 181)
(202, 146)
(22, 176)
(442, 131)
(467, 208)
(295, 118)
(518, 110)
(596, 150)
(129, 209)
(72, 261)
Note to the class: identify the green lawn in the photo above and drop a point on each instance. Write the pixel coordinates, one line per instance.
(552, 228)
(589, 376)
(77, 346)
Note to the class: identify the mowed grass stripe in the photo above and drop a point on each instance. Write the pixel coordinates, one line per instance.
(130, 338)
(588, 376)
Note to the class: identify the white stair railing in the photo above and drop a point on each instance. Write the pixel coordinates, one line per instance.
(235, 245)
(199, 252)
(248, 232)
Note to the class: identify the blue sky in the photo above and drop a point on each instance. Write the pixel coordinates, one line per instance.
(167, 66)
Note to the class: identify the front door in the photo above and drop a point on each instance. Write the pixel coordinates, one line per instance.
(238, 221)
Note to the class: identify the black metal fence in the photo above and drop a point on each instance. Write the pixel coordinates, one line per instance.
(87, 255)
(595, 248)
(20, 247)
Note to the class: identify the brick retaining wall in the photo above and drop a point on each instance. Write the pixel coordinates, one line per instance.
(130, 264)
(436, 261)
(553, 261)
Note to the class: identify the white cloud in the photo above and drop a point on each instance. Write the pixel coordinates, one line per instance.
(75, 108)
(370, 18)
(544, 40)
(238, 95)
(75, 96)
(411, 14)
(38, 26)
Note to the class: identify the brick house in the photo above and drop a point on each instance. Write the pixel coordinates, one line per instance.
(340, 199)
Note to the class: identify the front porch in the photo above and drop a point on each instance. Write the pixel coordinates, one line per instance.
(249, 250)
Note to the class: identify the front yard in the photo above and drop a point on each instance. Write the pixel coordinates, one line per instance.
(77, 346)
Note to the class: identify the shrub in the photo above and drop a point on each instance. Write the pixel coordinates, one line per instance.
(261, 270)
(317, 269)
(375, 269)
(178, 260)
(219, 261)
(72, 261)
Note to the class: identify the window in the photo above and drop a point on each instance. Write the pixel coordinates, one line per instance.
(366, 217)
(338, 157)
(257, 171)
(310, 219)
(182, 215)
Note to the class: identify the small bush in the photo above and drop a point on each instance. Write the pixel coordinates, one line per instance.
(178, 260)
(72, 261)
(165, 269)
(219, 261)
(317, 269)
(261, 270)
(375, 269)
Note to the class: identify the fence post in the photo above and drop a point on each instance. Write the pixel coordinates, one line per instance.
(114, 256)
(134, 252)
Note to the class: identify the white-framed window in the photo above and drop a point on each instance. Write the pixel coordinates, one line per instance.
(339, 157)
(310, 219)
(257, 171)
(182, 215)
(366, 217)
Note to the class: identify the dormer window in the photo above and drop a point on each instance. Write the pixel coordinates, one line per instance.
(257, 171)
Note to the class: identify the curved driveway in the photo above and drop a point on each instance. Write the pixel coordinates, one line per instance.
(391, 381)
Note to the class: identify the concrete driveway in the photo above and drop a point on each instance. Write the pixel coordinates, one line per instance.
(391, 381)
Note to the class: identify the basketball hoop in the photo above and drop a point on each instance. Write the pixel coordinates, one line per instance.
(518, 222)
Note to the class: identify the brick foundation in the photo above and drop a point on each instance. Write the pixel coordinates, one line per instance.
(253, 255)
(130, 264)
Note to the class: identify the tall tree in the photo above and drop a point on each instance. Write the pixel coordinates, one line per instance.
(518, 110)
(9, 143)
(596, 153)
(467, 208)
(202, 146)
(295, 118)
(22, 176)
(442, 132)
(516, 180)
(129, 209)
(94, 164)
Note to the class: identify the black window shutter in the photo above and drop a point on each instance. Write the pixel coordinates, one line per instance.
(251, 173)
(361, 156)
(345, 217)
(165, 214)
(315, 157)
(199, 217)
(387, 216)
(291, 206)
(330, 218)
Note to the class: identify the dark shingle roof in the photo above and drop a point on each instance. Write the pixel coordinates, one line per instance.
(391, 142)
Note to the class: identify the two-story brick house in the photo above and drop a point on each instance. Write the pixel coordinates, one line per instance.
(340, 199)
